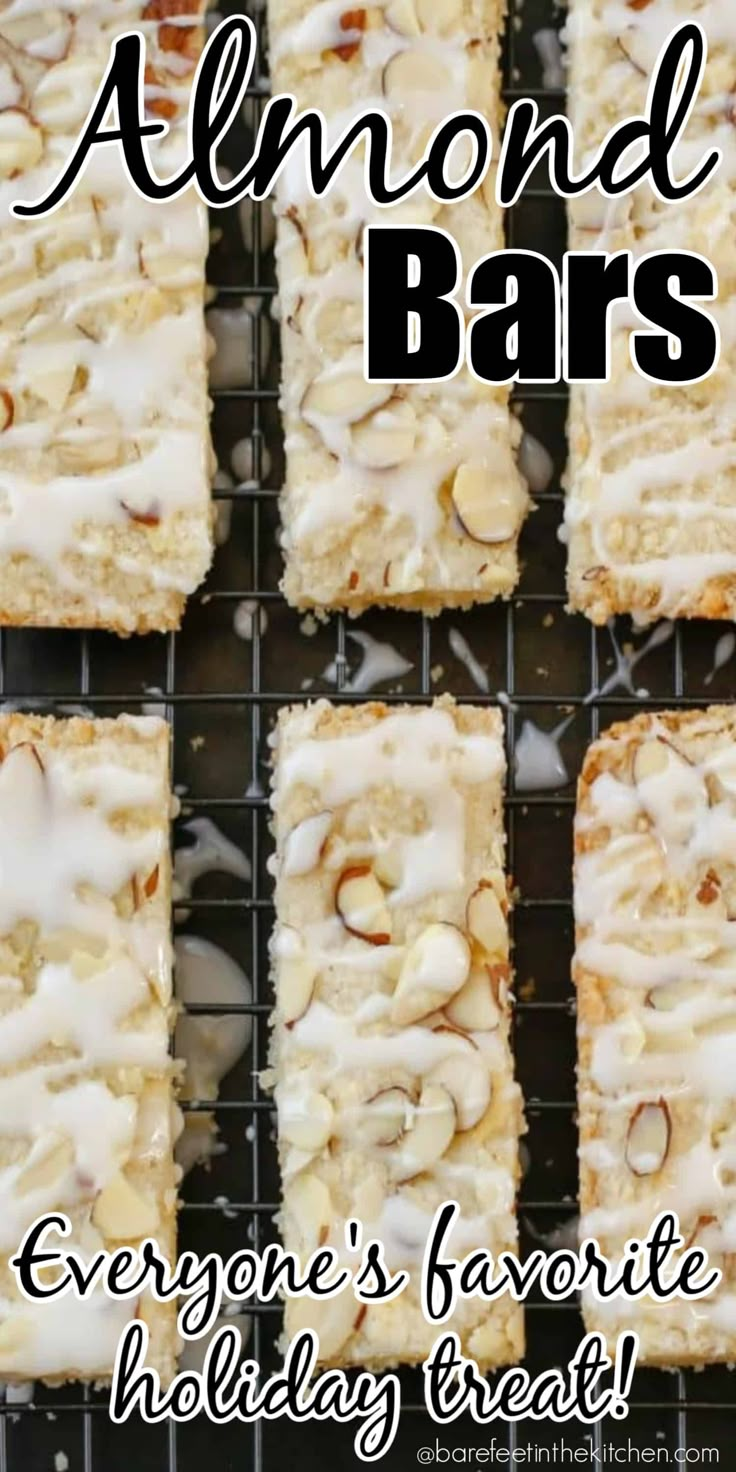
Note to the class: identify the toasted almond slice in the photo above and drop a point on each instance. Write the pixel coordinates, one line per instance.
(51, 1166)
(486, 922)
(632, 42)
(44, 33)
(305, 843)
(360, 903)
(53, 383)
(671, 994)
(345, 396)
(23, 786)
(310, 1203)
(296, 978)
(165, 267)
(388, 866)
(402, 17)
(435, 967)
(21, 142)
(412, 71)
(431, 1132)
(385, 439)
(381, 1120)
(305, 1118)
(467, 1078)
(332, 1319)
(486, 509)
(671, 789)
(120, 1212)
(475, 1007)
(68, 941)
(648, 1138)
(7, 409)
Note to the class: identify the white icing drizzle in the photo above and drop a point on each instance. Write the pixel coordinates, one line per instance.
(654, 898)
(380, 662)
(651, 494)
(211, 852)
(102, 342)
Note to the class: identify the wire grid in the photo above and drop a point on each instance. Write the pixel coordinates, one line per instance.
(220, 695)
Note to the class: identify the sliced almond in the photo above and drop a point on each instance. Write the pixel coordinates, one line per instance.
(648, 1138)
(53, 384)
(120, 1212)
(43, 1173)
(309, 1202)
(486, 922)
(381, 1120)
(672, 790)
(295, 987)
(7, 409)
(434, 969)
(44, 33)
(332, 1319)
(475, 1007)
(431, 1132)
(304, 844)
(402, 17)
(633, 44)
(388, 866)
(21, 142)
(361, 905)
(347, 397)
(305, 1118)
(385, 439)
(671, 994)
(23, 786)
(485, 509)
(467, 1078)
(412, 71)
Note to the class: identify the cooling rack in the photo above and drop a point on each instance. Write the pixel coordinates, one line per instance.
(220, 693)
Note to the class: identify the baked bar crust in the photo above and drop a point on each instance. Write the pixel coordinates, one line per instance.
(652, 470)
(404, 495)
(86, 1105)
(655, 893)
(105, 459)
(391, 1056)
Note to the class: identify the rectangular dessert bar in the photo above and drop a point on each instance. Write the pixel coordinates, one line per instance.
(655, 969)
(401, 495)
(391, 1056)
(86, 1105)
(651, 508)
(104, 442)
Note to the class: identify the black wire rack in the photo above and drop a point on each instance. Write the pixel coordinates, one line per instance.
(220, 693)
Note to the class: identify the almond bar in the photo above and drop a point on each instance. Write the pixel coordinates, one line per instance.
(655, 969)
(105, 460)
(391, 1057)
(403, 495)
(86, 1107)
(651, 506)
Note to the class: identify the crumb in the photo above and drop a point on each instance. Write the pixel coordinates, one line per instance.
(548, 620)
(61, 1462)
(528, 989)
(196, 742)
(543, 671)
(205, 598)
(308, 625)
(436, 673)
(307, 683)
